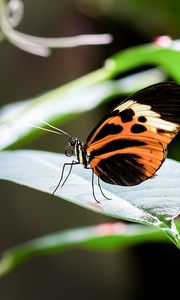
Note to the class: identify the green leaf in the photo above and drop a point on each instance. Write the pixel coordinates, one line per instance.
(64, 103)
(167, 58)
(154, 202)
(103, 237)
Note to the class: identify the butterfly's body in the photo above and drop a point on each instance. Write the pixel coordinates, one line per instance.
(81, 154)
(129, 145)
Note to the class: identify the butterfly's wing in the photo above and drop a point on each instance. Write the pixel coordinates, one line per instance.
(129, 145)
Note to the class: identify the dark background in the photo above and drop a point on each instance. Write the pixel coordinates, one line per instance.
(142, 272)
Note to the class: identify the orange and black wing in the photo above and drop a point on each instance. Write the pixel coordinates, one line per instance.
(130, 144)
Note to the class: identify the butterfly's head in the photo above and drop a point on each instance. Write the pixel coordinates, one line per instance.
(72, 146)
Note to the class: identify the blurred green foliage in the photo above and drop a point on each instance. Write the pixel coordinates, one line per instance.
(134, 22)
(103, 237)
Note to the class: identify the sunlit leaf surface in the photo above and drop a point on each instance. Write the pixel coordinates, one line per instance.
(154, 202)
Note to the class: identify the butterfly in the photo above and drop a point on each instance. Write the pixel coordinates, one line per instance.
(129, 144)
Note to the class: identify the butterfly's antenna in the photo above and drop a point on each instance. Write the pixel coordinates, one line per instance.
(56, 130)
(45, 129)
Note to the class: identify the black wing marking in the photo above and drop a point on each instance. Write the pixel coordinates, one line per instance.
(164, 98)
(123, 169)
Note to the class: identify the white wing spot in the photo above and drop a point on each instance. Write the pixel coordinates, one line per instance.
(153, 118)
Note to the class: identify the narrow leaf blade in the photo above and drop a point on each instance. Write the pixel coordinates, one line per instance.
(103, 237)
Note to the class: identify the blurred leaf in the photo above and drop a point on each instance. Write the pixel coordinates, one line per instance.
(103, 237)
(167, 58)
(65, 102)
(62, 104)
(154, 202)
(147, 18)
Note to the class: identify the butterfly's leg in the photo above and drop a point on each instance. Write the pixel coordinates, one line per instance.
(93, 188)
(71, 165)
(102, 190)
(62, 173)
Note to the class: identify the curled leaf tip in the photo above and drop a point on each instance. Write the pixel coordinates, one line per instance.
(11, 15)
